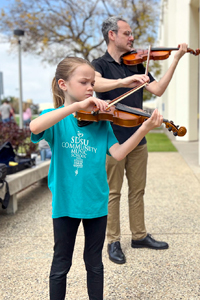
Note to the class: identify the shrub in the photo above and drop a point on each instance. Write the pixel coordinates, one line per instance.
(19, 138)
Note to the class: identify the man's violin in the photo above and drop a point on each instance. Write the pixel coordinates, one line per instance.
(135, 57)
(125, 116)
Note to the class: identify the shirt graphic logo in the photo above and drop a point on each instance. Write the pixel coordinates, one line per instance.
(79, 148)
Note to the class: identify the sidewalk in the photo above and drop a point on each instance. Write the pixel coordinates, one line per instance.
(172, 209)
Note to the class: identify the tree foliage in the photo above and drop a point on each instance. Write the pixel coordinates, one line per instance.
(55, 29)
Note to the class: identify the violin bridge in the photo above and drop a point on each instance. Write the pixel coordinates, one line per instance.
(94, 113)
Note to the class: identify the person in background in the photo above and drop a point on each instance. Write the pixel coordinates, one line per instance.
(45, 151)
(114, 78)
(27, 115)
(5, 111)
(77, 169)
(12, 114)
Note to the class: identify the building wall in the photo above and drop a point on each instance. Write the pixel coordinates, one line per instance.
(180, 102)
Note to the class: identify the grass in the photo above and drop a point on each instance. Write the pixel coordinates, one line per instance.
(159, 142)
(17, 118)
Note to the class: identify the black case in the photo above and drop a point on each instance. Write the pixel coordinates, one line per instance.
(3, 171)
(7, 154)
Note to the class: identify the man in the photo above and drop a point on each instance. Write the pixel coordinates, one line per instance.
(114, 78)
(5, 112)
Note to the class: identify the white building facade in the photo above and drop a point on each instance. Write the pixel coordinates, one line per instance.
(181, 101)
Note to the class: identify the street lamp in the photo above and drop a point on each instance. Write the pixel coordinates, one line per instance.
(19, 33)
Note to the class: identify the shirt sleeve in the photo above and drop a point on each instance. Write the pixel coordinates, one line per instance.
(46, 135)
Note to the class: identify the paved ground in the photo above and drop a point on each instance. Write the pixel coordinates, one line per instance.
(172, 208)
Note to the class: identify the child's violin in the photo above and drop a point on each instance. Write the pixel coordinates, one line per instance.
(135, 57)
(125, 116)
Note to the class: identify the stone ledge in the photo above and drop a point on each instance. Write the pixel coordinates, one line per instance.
(23, 179)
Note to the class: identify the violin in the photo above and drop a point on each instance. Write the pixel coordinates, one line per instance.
(135, 57)
(125, 116)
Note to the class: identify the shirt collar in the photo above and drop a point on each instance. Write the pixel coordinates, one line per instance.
(108, 57)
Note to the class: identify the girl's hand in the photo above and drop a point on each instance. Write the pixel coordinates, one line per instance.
(92, 103)
(182, 50)
(154, 121)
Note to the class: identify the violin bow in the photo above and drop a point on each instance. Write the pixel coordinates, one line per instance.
(148, 59)
(116, 100)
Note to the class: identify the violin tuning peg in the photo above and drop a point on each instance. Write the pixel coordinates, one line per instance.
(177, 126)
(170, 128)
(175, 133)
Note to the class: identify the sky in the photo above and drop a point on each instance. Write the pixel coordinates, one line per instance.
(36, 76)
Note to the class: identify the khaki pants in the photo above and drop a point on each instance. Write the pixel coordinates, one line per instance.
(135, 164)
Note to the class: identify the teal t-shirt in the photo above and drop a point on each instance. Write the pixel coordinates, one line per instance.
(77, 174)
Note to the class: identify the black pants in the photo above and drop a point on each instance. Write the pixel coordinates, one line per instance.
(65, 230)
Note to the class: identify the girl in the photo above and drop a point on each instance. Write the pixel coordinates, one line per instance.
(77, 176)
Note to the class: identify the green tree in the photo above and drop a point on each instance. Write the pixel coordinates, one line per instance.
(69, 27)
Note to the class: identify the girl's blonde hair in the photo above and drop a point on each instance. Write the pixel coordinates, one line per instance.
(63, 71)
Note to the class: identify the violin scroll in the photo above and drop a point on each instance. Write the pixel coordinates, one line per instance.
(194, 52)
(197, 52)
(177, 131)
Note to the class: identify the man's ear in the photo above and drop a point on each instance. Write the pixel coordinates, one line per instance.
(111, 35)
(62, 84)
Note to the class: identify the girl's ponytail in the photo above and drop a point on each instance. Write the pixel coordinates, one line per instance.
(58, 94)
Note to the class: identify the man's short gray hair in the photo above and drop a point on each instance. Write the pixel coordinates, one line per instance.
(110, 24)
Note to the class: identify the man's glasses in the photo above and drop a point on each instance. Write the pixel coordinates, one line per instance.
(126, 33)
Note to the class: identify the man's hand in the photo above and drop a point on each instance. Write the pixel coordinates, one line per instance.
(132, 81)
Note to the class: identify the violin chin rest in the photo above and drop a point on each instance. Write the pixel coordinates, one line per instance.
(84, 123)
